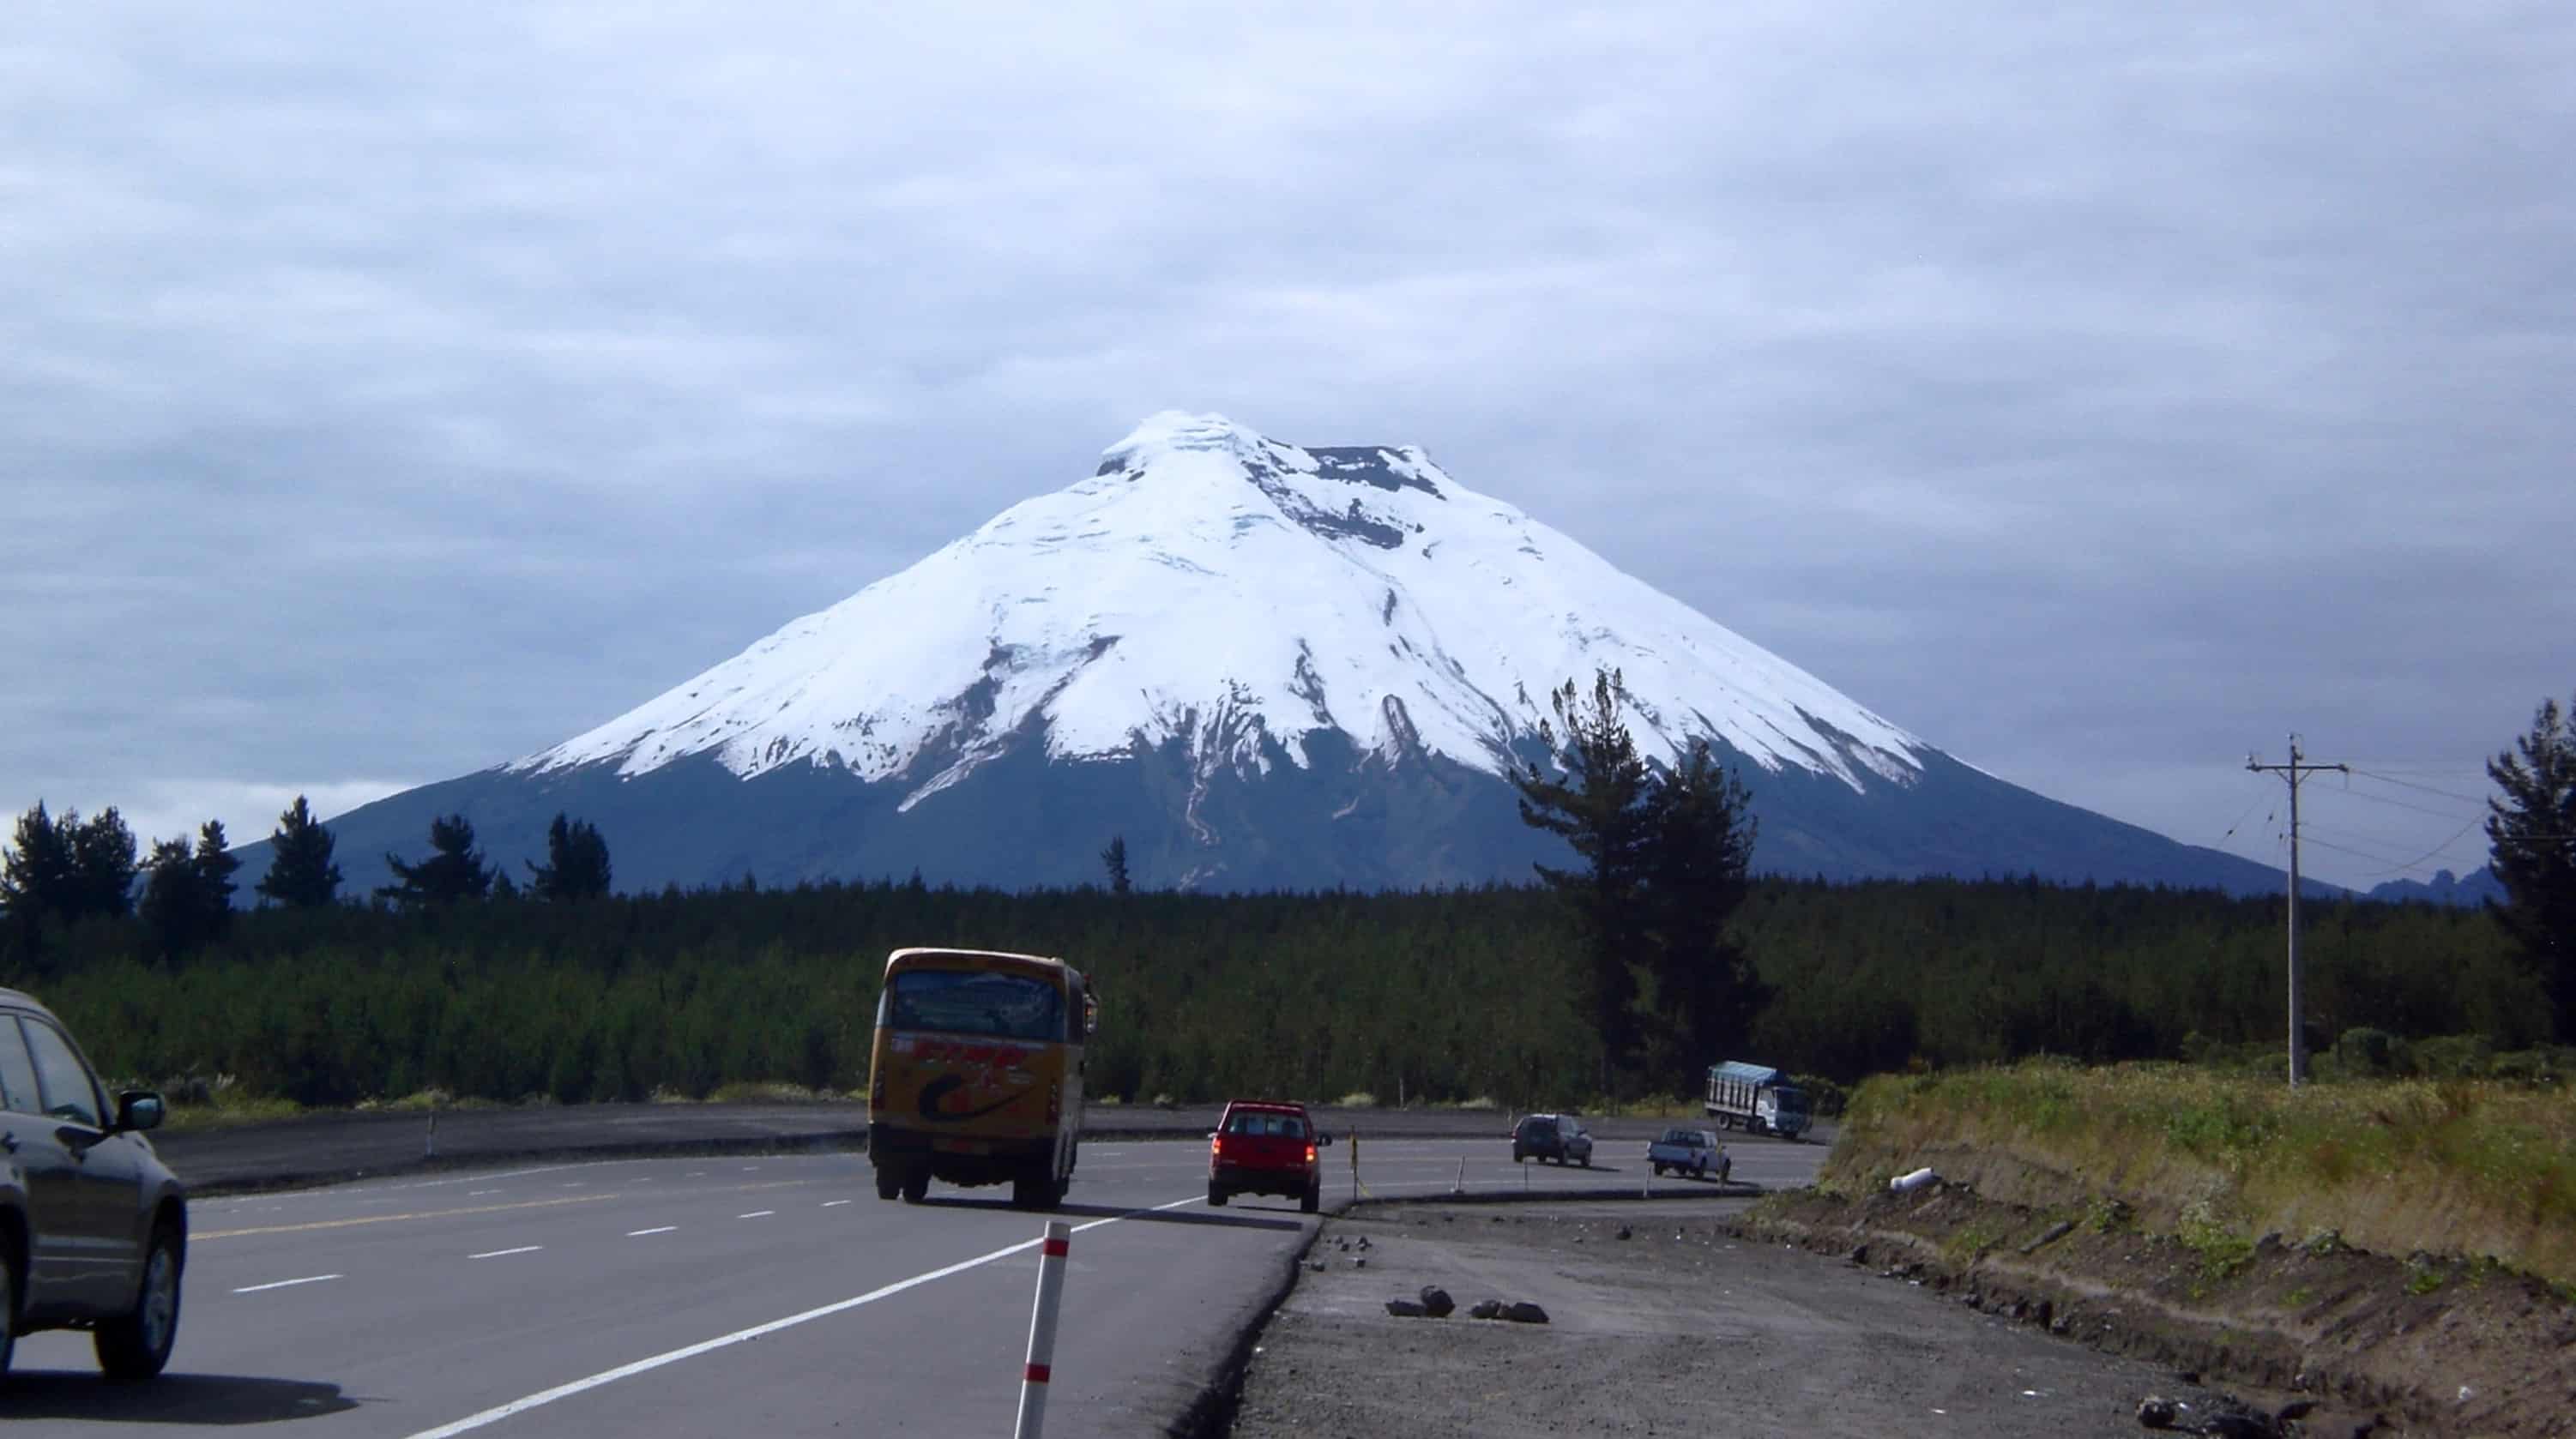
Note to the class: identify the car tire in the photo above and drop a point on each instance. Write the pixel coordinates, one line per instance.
(916, 1186)
(1216, 1197)
(8, 1313)
(134, 1346)
(889, 1182)
(1659, 1171)
(1586, 1161)
(1518, 1157)
(1312, 1199)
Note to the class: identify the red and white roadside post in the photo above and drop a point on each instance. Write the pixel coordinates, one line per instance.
(1033, 1380)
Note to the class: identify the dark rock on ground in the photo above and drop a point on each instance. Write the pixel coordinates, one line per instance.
(1525, 1313)
(1436, 1301)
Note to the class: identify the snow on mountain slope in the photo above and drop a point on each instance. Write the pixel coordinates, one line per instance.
(1217, 588)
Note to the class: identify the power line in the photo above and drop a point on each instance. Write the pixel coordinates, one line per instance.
(2240, 822)
(2344, 848)
(2369, 798)
(2429, 854)
(2426, 788)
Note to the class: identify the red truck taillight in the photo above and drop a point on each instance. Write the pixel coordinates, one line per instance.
(1310, 1154)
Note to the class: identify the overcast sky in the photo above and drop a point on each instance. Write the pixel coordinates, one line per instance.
(387, 391)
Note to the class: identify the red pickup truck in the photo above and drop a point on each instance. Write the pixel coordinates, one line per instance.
(1266, 1146)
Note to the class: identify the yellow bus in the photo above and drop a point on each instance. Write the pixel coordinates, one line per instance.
(976, 1073)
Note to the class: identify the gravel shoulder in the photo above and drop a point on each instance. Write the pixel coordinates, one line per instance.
(1679, 1328)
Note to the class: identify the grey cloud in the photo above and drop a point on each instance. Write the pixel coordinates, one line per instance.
(395, 390)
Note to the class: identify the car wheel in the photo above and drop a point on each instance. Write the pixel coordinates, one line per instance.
(1587, 1161)
(1659, 1171)
(1216, 1196)
(916, 1186)
(1313, 1199)
(133, 1347)
(8, 1313)
(1518, 1157)
(889, 1182)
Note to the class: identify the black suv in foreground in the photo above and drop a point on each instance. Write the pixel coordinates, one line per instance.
(93, 1227)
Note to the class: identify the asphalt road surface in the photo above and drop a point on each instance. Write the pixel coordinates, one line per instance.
(736, 1295)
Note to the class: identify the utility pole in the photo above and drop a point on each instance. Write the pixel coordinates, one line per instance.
(2296, 770)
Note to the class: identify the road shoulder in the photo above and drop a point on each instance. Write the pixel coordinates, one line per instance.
(1679, 1326)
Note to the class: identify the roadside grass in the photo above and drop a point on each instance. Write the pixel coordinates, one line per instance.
(227, 1109)
(2454, 1166)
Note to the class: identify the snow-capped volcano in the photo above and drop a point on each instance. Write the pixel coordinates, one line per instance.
(1260, 667)
(1212, 587)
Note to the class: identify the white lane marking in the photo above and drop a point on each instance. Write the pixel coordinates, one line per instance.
(289, 1283)
(504, 1253)
(640, 1233)
(708, 1346)
(757, 1214)
(479, 1193)
(697, 1174)
(834, 1203)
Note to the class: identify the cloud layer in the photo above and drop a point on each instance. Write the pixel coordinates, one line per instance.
(387, 391)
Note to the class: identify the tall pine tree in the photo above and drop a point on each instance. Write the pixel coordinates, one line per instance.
(103, 864)
(576, 864)
(1113, 860)
(37, 877)
(212, 866)
(188, 895)
(453, 873)
(2532, 829)
(172, 905)
(1598, 804)
(300, 872)
(1701, 845)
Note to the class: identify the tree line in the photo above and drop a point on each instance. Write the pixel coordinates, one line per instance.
(1652, 956)
(1444, 995)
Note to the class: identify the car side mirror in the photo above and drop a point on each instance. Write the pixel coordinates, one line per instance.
(138, 1110)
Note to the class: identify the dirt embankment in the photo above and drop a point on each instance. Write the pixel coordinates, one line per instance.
(2380, 1345)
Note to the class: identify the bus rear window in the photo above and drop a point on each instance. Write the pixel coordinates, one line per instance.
(1002, 1006)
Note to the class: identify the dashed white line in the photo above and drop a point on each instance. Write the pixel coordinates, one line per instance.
(289, 1283)
(640, 1233)
(834, 1203)
(504, 1253)
(757, 1214)
(479, 1193)
(628, 1371)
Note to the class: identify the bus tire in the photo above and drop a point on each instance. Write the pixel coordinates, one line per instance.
(889, 1183)
(916, 1185)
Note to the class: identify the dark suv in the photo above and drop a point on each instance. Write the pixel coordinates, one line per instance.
(93, 1227)
(1265, 1146)
(1560, 1137)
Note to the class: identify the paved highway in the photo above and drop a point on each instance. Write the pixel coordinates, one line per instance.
(733, 1296)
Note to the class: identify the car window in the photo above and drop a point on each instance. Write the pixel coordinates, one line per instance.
(18, 1092)
(64, 1081)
